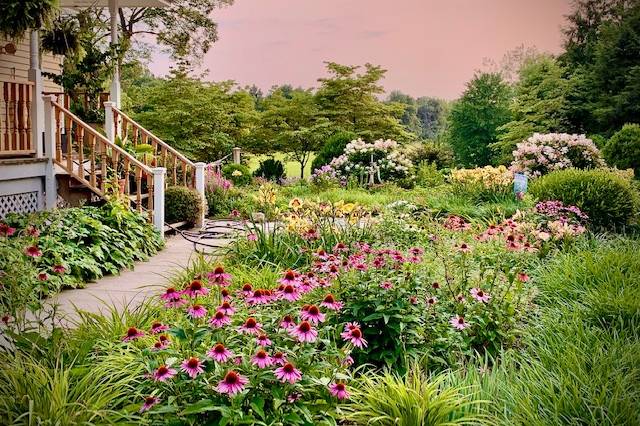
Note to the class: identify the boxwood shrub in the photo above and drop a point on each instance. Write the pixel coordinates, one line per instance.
(239, 174)
(181, 204)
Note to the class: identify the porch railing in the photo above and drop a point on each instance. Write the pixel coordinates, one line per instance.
(15, 119)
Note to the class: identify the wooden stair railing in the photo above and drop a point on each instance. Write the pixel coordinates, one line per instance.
(15, 119)
(180, 170)
(96, 162)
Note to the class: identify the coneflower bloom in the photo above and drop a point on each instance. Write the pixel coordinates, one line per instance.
(161, 344)
(331, 303)
(458, 322)
(196, 289)
(163, 373)
(149, 402)
(250, 326)
(460, 298)
(33, 251)
(252, 236)
(339, 390)
(226, 308)
(192, 366)
(312, 314)
(247, 289)
(522, 277)
(158, 327)
(261, 359)
(59, 269)
(304, 332)
(432, 300)
(293, 397)
(416, 251)
(219, 353)
(132, 334)
(171, 294)
(287, 322)
(464, 248)
(387, 285)
(263, 340)
(226, 296)
(32, 231)
(347, 361)
(479, 295)
(354, 335)
(340, 248)
(288, 373)
(290, 293)
(232, 383)
(279, 358)
(258, 297)
(290, 277)
(6, 230)
(219, 320)
(42, 276)
(6, 319)
(219, 277)
(351, 325)
(196, 311)
(378, 262)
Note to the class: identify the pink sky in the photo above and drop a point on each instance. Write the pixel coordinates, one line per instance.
(429, 47)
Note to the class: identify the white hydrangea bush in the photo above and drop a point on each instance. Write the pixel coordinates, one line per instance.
(543, 153)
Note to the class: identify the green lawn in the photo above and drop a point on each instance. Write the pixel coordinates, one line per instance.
(291, 168)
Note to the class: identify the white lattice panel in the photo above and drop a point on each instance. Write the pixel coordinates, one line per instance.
(25, 202)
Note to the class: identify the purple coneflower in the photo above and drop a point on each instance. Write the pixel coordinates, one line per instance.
(149, 402)
(330, 302)
(32, 251)
(232, 383)
(158, 327)
(196, 289)
(59, 269)
(6, 230)
(290, 293)
(219, 353)
(387, 285)
(219, 277)
(196, 311)
(290, 277)
(42, 276)
(163, 373)
(171, 294)
(132, 334)
(192, 366)
(226, 296)
(304, 332)
(247, 289)
(250, 326)
(522, 277)
(340, 248)
(161, 344)
(288, 373)
(464, 248)
(261, 359)
(32, 231)
(252, 236)
(416, 251)
(354, 335)
(432, 300)
(226, 308)
(339, 390)
(219, 320)
(287, 322)
(279, 358)
(479, 295)
(312, 314)
(347, 361)
(458, 322)
(263, 340)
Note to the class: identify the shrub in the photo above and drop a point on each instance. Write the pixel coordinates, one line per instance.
(483, 183)
(334, 147)
(609, 200)
(431, 153)
(270, 169)
(325, 178)
(543, 153)
(428, 175)
(623, 149)
(239, 174)
(181, 204)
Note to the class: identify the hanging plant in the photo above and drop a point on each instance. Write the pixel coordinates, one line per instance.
(63, 38)
(20, 16)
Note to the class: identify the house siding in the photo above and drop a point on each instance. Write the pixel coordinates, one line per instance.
(16, 67)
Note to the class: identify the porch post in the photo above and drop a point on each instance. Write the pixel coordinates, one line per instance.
(158, 198)
(109, 123)
(200, 189)
(37, 104)
(236, 155)
(115, 82)
(49, 128)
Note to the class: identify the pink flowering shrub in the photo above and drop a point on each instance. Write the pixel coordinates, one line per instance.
(543, 153)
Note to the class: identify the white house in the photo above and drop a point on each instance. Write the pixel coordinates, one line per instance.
(48, 156)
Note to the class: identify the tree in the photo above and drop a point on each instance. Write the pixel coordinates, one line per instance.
(291, 123)
(623, 149)
(20, 16)
(348, 100)
(540, 105)
(476, 116)
(423, 116)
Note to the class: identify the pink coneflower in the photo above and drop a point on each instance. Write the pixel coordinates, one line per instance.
(261, 359)
(149, 402)
(387, 285)
(413, 300)
(287, 322)
(432, 300)
(522, 277)
(258, 297)
(304, 332)
(279, 358)
(219, 353)
(310, 234)
(479, 295)
(158, 327)
(464, 248)
(435, 285)
(171, 294)
(162, 343)
(340, 248)
(293, 397)
(163, 373)
(33, 251)
(235, 213)
(132, 334)
(192, 366)
(42, 276)
(59, 269)
(263, 340)
(6, 230)
(312, 314)
(333, 270)
(354, 335)
(196, 311)
(458, 322)
(226, 296)
(290, 293)
(6, 319)
(32, 231)
(347, 361)
(339, 390)
(252, 236)
(247, 289)
(196, 289)
(219, 277)
(290, 278)
(232, 383)
(226, 308)
(330, 302)
(378, 262)
(219, 319)
(460, 298)
(288, 373)
(416, 251)
(250, 326)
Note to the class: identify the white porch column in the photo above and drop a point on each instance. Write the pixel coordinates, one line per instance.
(236, 155)
(109, 124)
(115, 83)
(49, 128)
(200, 190)
(37, 105)
(158, 198)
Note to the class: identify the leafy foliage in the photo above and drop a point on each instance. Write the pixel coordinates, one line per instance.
(181, 204)
(20, 16)
(332, 148)
(623, 149)
(239, 174)
(270, 169)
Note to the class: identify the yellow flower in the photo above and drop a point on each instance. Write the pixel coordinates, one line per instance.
(236, 173)
(295, 204)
